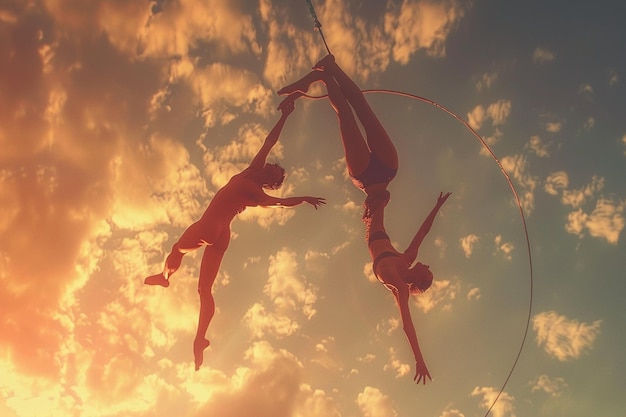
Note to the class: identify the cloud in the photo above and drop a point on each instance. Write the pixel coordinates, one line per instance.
(624, 143)
(421, 25)
(499, 111)
(291, 299)
(505, 248)
(564, 338)
(181, 26)
(474, 294)
(538, 147)
(502, 408)
(374, 403)
(476, 117)
(517, 166)
(273, 388)
(467, 244)
(452, 413)
(541, 56)
(395, 364)
(605, 221)
(556, 182)
(486, 80)
(442, 292)
(552, 386)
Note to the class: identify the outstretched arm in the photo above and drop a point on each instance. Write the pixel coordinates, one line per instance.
(411, 252)
(269, 201)
(272, 137)
(402, 298)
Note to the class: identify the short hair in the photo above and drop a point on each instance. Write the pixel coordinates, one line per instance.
(276, 184)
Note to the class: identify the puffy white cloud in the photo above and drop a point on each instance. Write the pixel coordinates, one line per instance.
(441, 292)
(474, 294)
(499, 111)
(564, 338)
(421, 25)
(467, 244)
(396, 365)
(517, 166)
(556, 182)
(504, 407)
(578, 197)
(505, 248)
(538, 147)
(452, 413)
(374, 403)
(476, 117)
(291, 299)
(552, 386)
(605, 221)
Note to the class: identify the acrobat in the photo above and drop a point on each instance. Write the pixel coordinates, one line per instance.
(212, 231)
(372, 163)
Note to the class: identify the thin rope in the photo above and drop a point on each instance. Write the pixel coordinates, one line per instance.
(517, 199)
(318, 25)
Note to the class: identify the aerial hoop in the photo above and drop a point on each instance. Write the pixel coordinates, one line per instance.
(318, 27)
(517, 200)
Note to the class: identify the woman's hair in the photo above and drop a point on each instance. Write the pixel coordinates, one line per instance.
(420, 279)
(274, 183)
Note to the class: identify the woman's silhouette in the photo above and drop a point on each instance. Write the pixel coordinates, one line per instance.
(372, 163)
(213, 229)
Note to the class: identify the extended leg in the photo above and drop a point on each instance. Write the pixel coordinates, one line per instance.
(211, 260)
(189, 240)
(377, 138)
(355, 148)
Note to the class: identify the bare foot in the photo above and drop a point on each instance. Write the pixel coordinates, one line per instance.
(299, 86)
(324, 62)
(302, 85)
(199, 345)
(158, 279)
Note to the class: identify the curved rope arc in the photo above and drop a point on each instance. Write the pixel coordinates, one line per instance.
(517, 200)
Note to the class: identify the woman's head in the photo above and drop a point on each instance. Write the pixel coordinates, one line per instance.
(419, 278)
(273, 177)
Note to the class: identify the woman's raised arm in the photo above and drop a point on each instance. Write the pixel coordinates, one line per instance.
(411, 251)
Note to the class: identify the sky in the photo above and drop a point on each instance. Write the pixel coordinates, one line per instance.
(120, 120)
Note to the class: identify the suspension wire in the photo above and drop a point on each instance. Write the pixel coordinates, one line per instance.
(517, 200)
(318, 25)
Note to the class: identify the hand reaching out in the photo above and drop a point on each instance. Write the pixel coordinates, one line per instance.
(314, 201)
(421, 372)
(442, 198)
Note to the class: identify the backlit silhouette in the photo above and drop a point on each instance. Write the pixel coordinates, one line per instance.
(372, 163)
(213, 229)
